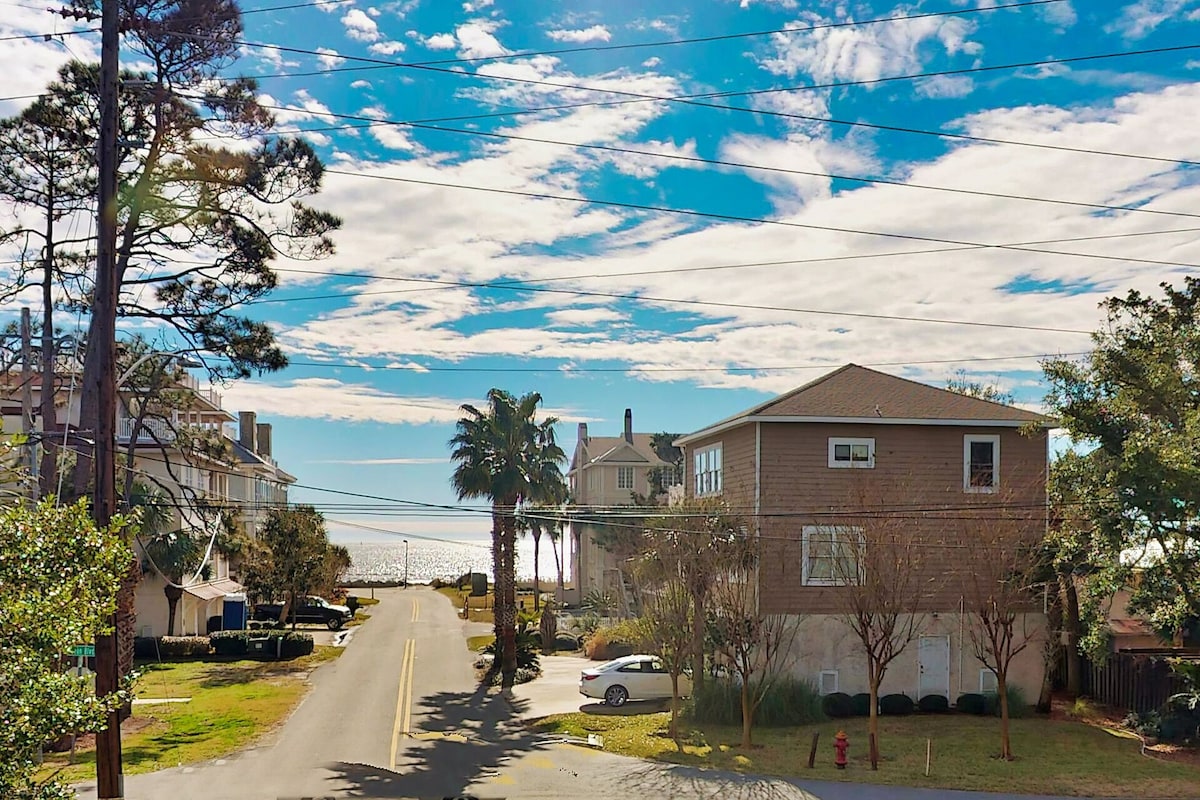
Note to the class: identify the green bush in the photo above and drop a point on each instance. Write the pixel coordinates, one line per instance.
(527, 650)
(860, 704)
(1017, 705)
(934, 704)
(897, 705)
(789, 701)
(614, 641)
(837, 705)
(565, 641)
(183, 646)
(292, 644)
(971, 703)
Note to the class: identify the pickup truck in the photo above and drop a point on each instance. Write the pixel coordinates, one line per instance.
(308, 609)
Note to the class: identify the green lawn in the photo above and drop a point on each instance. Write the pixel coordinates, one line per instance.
(457, 596)
(232, 704)
(1052, 757)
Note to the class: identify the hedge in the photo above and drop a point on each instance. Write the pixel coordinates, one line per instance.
(837, 705)
(170, 646)
(860, 704)
(934, 704)
(896, 704)
(971, 703)
(788, 701)
(614, 641)
(237, 643)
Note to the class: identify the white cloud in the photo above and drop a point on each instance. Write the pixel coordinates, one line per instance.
(335, 6)
(596, 33)
(1062, 15)
(945, 86)
(651, 62)
(327, 398)
(361, 84)
(394, 137)
(360, 26)
(1138, 20)
(477, 5)
(374, 12)
(476, 40)
(387, 48)
(584, 317)
(329, 58)
(441, 41)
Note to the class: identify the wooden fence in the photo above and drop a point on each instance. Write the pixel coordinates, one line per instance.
(1130, 682)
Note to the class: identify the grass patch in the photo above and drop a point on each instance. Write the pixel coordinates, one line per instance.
(358, 619)
(1053, 757)
(232, 704)
(477, 643)
(477, 611)
(368, 601)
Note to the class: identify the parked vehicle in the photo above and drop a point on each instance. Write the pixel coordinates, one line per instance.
(308, 609)
(638, 677)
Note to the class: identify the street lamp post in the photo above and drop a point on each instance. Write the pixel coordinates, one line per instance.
(406, 563)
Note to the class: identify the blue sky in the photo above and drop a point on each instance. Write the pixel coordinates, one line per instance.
(379, 372)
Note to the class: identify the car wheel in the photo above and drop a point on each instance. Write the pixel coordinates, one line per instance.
(616, 696)
(334, 624)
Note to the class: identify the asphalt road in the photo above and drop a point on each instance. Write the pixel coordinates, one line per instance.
(399, 715)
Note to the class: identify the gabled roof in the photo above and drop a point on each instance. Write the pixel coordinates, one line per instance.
(857, 394)
(615, 450)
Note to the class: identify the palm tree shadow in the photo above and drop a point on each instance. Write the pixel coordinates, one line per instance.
(695, 782)
(463, 738)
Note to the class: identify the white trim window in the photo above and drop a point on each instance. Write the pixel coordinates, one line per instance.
(981, 463)
(831, 555)
(987, 681)
(624, 477)
(851, 453)
(707, 470)
(828, 681)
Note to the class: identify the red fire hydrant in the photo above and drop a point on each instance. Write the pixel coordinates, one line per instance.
(841, 744)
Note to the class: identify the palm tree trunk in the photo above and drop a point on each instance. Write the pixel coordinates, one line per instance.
(497, 569)
(173, 594)
(536, 531)
(561, 595)
(507, 582)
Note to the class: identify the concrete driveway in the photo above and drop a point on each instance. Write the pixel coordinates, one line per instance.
(557, 692)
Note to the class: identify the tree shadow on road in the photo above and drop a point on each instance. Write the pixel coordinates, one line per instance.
(462, 739)
(693, 782)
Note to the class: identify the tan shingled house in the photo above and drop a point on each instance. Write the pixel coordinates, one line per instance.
(857, 438)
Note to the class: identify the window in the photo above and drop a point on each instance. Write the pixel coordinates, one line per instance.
(981, 463)
(852, 453)
(831, 555)
(828, 682)
(624, 477)
(593, 481)
(987, 681)
(708, 470)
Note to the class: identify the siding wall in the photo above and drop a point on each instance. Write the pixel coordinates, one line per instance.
(737, 466)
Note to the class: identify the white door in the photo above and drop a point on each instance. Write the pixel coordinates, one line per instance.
(933, 664)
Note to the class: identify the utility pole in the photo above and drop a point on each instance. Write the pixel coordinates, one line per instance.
(110, 780)
(27, 394)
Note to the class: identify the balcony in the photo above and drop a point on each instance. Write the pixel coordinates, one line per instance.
(153, 430)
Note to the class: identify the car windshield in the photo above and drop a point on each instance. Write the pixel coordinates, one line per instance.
(616, 663)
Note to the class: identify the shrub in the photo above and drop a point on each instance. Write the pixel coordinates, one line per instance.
(934, 704)
(971, 703)
(183, 646)
(527, 650)
(897, 705)
(1017, 706)
(614, 641)
(565, 641)
(837, 705)
(145, 647)
(860, 704)
(292, 644)
(789, 701)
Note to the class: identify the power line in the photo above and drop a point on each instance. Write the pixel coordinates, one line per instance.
(735, 164)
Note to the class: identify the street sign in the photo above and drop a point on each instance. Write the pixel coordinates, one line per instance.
(84, 651)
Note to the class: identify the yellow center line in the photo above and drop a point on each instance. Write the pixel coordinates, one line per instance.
(401, 698)
(416, 610)
(408, 704)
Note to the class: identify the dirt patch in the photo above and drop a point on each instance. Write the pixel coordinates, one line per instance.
(87, 741)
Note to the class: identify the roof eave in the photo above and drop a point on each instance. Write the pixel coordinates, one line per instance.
(956, 423)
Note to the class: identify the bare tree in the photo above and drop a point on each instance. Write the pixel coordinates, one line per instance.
(1002, 568)
(667, 628)
(755, 645)
(878, 566)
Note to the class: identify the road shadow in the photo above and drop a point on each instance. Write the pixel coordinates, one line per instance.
(463, 738)
(677, 780)
(630, 709)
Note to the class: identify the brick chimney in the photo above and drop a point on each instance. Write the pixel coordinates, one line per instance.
(583, 436)
(264, 438)
(629, 425)
(248, 431)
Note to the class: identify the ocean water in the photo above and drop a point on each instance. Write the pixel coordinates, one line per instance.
(384, 561)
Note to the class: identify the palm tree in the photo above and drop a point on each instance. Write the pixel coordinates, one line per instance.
(505, 455)
(175, 553)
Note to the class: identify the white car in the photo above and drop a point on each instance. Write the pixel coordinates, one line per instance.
(631, 678)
